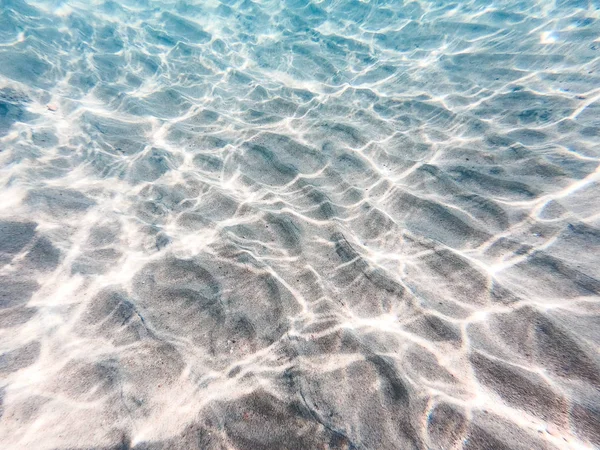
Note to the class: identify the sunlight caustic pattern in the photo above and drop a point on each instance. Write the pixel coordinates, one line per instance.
(337, 224)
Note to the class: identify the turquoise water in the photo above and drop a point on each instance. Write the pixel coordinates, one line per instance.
(299, 225)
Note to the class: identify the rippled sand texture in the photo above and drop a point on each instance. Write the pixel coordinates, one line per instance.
(302, 225)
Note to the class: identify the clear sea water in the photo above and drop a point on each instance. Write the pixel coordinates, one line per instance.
(299, 224)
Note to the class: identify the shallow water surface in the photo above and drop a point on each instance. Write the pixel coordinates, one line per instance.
(336, 224)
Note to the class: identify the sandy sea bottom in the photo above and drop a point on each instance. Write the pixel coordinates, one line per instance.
(235, 224)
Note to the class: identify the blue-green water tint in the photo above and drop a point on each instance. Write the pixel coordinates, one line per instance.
(299, 225)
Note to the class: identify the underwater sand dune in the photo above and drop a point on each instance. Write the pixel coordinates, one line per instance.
(236, 224)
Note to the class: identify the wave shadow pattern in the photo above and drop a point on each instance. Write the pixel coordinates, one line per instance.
(243, 224)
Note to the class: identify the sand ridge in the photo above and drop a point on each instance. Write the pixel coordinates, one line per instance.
(299, 225)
